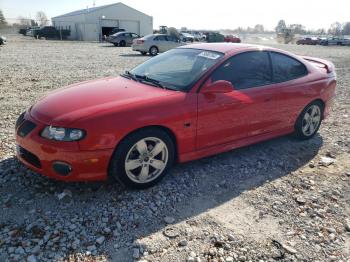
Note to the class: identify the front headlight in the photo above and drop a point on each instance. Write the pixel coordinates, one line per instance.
(62, 134)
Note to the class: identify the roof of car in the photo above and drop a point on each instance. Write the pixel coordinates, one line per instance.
(223, 47)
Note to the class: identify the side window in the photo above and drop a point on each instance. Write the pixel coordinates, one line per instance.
(160, 38)
(250, 69)
(171, 38)
(286, 68)
(134, 35)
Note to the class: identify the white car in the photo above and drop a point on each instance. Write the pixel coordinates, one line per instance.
(156, 43)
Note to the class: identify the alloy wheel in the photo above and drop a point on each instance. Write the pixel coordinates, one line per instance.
(311, 120)
(146, 160)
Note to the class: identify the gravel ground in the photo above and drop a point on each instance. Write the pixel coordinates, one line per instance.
(279, 200)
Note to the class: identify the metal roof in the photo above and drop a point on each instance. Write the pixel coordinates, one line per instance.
(93, 9)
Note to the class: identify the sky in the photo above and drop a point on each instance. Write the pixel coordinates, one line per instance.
(205, 14)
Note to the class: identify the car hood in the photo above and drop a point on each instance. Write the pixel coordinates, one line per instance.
(66, 105)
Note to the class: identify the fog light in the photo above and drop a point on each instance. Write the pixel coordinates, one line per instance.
(61, 168)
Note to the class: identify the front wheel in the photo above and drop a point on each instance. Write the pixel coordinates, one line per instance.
(153, 51)
(309, 121)
(143, 158)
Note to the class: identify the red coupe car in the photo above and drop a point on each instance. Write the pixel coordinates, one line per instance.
(188, 103)
(232, 39)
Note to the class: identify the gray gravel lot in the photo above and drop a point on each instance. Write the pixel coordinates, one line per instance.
(280, 200)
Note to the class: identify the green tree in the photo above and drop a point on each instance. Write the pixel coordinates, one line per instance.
(280, 26)
(346, 28)
(2, 18)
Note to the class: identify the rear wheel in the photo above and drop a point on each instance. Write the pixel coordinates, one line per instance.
(309, 121)
(143, 158)
(122, 43)
(153, 50)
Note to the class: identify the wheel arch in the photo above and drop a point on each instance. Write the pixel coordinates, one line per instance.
(165, 129)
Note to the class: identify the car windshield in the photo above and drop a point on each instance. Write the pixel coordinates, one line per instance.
(178, 68)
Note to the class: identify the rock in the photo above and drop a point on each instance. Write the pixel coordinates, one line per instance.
(230, 237)
(100, 240)
(136, 253)
(31, 258)
(300, 200)
(326, 161)
(115, 233)
(169, 220)
(212, 252)
(66, 194)
(91, 248)
(183, 243)
(289, 249)
(347, 225)
(229, 259)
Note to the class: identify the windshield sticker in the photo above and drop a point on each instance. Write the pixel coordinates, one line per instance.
(209, 55)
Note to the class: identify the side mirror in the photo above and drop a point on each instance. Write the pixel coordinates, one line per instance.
(218, 87)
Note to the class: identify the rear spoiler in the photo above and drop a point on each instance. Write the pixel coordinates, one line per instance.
(320, 63)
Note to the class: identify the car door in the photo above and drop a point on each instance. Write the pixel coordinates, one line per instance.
(128, 38)
(162, 43)
(247, 110)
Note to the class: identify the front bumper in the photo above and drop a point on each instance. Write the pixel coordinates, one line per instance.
(40, 155)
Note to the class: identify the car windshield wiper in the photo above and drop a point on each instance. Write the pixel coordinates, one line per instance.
(129, 75)
(147, 79)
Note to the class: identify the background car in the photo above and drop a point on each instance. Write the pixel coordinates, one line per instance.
(155, 43)
(2, 40)
(232, 39)
(122, 38)
(308, 41)
(335, 41)
(186, 37)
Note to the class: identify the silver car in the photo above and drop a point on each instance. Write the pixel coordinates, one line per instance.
(156, 43)
(122, 38)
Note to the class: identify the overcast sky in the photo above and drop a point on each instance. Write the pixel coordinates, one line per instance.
(218, 14)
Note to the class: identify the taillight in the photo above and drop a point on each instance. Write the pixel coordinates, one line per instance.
(140, 42)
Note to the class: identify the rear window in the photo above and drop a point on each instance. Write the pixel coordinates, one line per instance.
(286, 68)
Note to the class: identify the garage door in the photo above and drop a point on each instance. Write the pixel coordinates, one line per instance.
(131, 26)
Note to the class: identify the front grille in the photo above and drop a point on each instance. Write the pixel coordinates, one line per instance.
(20, 120)
(25, 128)
(29, 157)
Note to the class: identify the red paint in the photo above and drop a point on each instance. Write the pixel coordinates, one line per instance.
(232, 39)
(109, 109)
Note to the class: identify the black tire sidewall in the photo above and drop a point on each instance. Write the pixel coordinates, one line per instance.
(122, 43)
(298, 125)
(150, 50)
(117, 164)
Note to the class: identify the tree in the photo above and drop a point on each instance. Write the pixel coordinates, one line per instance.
(2, 18)
(41, 18)
(335, 29)
(346, 28)
(259, 28)
(173, 32)
(280, 26)
(297, 28)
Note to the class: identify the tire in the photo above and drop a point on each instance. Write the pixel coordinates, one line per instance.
(143, 53)
(122, 43)
(153, 50)
(127, 151)
(115, 44)
(306, 127)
